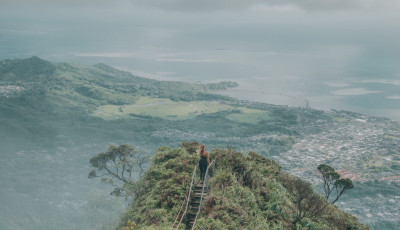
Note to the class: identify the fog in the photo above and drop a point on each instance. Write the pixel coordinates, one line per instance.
(341, 54)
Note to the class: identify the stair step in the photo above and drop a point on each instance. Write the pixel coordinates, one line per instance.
(199, 193)
(199, 196)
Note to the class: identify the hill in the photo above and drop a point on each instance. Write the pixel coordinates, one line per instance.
(247, 191)
(39, 99)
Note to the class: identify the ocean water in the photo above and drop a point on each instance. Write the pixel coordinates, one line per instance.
(367, 91)
(373, 97)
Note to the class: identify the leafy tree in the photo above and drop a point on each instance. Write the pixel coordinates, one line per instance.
(329, 177)
(332, 182)
(117, 166)
(341, 186)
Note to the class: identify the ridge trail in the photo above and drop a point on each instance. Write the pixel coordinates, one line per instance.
(197, 191)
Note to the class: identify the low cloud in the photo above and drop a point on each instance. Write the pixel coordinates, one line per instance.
(105, 54)
(393, 97)
(382, 81)
(354, 92)
(190, 60)
(209, 5)
(337, 84)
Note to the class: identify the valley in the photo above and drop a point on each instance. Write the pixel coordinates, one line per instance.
(55, 116)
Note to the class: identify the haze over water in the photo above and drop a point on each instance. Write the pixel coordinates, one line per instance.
(333, 54)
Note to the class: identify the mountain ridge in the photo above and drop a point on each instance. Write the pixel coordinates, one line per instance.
(39, 92)
(33, 66)
(247, 191)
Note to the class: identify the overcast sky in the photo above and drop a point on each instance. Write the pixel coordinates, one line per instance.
(334, 52)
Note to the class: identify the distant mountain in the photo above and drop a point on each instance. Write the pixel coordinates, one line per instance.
(24, 69)
(73, 84)
(50, 96)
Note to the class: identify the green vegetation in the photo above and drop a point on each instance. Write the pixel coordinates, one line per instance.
(247, 191)
(251, 116)
(51, 125)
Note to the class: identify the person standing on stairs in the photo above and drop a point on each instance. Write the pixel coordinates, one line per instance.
(204, 160)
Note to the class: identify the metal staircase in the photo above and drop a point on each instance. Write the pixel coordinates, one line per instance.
(193, 200)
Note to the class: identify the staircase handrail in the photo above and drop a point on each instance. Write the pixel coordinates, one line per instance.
(187, 198)
(177, 216)
(205, 184)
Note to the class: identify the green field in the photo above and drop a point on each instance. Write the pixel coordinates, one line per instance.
(160, 107)
(172, 110)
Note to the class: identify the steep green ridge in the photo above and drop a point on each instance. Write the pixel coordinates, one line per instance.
(82, 86)
(247, 191)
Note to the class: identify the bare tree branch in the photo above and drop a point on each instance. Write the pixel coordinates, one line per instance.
(117, 162)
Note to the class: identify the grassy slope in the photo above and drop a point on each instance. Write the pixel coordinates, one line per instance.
(247, 192)
(59, 98)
